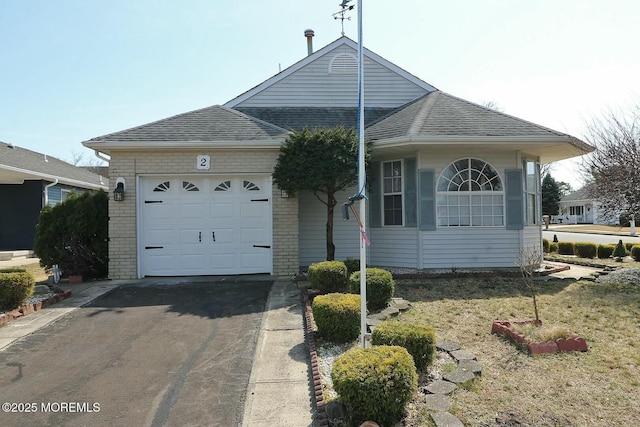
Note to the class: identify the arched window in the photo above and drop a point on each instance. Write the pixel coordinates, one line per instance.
(470, 193)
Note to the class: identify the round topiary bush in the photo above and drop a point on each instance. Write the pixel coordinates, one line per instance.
(380, 287)
(565, 248)
(353, 265)
(328, 276)
(635, 252)
(419, 340)
(545, 245)
(337, 316)
(605, 251)
(375, 383)
(15, 287)
(585, 249)
(553, 247)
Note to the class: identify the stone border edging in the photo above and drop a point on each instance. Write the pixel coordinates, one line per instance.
(27, 309)
(321, 413)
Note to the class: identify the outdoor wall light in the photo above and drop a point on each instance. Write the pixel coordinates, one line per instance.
(118, 192)
(284, 194)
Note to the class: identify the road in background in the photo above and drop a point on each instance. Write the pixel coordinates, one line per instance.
(600, 239)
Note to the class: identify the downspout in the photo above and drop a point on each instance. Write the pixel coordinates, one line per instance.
(100, 156)
(46, 192)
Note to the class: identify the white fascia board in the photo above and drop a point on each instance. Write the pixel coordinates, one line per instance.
(493, 140)
(181, 145)
(317, 54)
(53, 178)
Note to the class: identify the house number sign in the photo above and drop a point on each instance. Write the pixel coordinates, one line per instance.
(203, 162)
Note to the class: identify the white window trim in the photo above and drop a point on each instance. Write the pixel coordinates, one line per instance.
(400, 193)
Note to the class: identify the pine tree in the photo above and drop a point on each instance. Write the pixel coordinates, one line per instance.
(620, 251)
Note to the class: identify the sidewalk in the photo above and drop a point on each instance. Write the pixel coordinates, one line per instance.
(279, 391)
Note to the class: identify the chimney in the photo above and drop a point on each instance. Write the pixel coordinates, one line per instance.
(309, 35)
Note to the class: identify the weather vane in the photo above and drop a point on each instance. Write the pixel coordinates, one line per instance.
(340, 15)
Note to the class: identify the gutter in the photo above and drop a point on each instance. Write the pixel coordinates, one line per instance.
(47, 177)
(46, 191)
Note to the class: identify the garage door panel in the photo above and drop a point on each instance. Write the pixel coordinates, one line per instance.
(206, 225)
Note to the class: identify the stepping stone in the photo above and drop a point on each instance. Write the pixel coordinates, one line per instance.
(373, 322)
(462, 355)
(441, 387)
(459, 376)
(391, 311)
(445, 419)
(378, 316)
(447, 346)
(438, 402)
(401, 304)
(471, 365)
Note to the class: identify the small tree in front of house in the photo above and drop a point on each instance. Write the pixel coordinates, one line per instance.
(529, 260)
(322, 161)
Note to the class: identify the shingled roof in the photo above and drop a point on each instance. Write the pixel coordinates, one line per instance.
(18, 164)
(440, 114)
(211, 124)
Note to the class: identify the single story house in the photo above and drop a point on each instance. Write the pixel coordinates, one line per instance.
(455, 184)
(30, 181)
(578, 208)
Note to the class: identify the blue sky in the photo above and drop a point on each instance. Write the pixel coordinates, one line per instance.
(74, 70)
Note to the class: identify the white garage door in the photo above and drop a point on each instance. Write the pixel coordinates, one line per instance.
(205, 225)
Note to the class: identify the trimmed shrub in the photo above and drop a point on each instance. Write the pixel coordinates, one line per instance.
(585, 249)
(15, 288)
(635, 252)
(553, 247)
(74, 235)
(419, 340)
(380, 287)
(328, 276)
(375, 383)
(605, 251)
(13, 270)
(353, 265)
(337, 316)
(620, 251)
(545, 245)
(629, 245)
(565, 248)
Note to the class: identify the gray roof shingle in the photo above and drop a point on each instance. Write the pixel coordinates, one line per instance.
(16, 159)
(211, 124)
(439, 114)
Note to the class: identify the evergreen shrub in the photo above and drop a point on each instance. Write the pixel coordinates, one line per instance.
(328, 276)
(15, 288)
(375, 383)
(545, 245)
(585, 249)
(635, 252)
(553, 247)
(337, 316)
(605, 251)
(565, 248)
(629, 245)
(380, 287)
(73, 234)
(419, 340)
(620, 251)
(353, 265)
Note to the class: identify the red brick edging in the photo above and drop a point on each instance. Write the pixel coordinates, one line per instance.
(27, 309)
(321, 415)
(503, 327)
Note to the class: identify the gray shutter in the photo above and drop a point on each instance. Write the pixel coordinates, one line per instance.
(375, 196)
(514, 199)
(410, 193)
(427, 199)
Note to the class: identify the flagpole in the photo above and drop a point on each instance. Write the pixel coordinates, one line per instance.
(361, 186)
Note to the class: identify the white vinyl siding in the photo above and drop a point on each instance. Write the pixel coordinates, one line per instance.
(314, 86)
(312, 230)
(394, 246)
(469, 247)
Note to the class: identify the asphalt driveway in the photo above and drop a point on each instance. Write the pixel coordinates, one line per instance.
(159, 354)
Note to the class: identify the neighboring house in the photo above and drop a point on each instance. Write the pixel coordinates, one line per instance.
(578, 208)
(28, 182)
(454, 185)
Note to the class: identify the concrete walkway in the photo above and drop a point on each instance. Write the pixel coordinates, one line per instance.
(279, 387)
